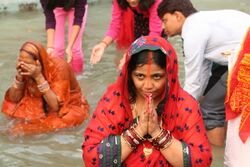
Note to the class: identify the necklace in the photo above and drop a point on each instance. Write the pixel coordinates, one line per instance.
(147, 151)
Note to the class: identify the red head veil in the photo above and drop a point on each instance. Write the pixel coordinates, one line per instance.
(180, 113)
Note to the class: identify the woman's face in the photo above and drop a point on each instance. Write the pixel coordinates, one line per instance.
(26, 58)
(149, 79)
(133, 3)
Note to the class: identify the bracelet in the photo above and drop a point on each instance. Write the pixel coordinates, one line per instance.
(126, 141)
(45, 90)
(43, 87)
(168, 143)
(17, 81)
(132, 138)
(154, 137)
(18, 84)
(50, 47)
(163, 140)
(129, 140)
(105, 43)
(136, 133)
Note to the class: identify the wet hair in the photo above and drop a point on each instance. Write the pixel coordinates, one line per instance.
(140, 59)
(171, 6)
(143, 4)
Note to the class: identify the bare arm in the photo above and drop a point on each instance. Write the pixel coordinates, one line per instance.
(16, 91)
(72, 39)
(98, 50)
(49, 96)
(173, 153)
(34, 71)
(50, 40)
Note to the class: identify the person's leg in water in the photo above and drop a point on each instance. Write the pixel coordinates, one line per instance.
(59, 43)
(212, 106)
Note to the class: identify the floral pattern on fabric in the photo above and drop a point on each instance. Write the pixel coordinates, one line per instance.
(181, 115)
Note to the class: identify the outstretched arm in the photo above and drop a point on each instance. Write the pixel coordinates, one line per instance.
(111, 34)
(72, 39)
(80, 12)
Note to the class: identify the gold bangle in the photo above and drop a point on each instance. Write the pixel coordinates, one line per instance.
(45, 90)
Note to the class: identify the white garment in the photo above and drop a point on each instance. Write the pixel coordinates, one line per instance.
(208, 36)
(237, 153)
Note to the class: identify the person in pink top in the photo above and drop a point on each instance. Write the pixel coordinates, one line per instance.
(57, 13)
(130, 20)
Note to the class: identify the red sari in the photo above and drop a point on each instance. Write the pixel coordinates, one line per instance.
(29, 111)
(180, 115)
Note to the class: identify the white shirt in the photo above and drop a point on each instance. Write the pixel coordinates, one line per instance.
(208, 36)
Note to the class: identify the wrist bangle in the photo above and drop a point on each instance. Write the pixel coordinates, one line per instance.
(50, 47)
(104, 42)
(18, 81)
(43, 87)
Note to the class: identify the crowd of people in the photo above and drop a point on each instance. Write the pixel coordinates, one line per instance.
(145, 117)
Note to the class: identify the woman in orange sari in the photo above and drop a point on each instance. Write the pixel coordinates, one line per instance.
(45, 95)
(145, 118)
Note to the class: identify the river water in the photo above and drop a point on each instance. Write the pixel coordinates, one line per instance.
(63, 148)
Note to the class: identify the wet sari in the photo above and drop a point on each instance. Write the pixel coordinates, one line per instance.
(181, 115)
(32, 114)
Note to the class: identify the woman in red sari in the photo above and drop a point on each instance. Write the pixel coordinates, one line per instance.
(45, 95)
(145, 118)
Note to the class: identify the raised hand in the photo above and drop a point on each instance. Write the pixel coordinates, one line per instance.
(142, 126)
(31, 70)
(97, 53)
(153, 123)
(19, 77)
(122, 62)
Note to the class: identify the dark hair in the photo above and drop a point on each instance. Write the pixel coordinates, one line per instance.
(51, 4)
(69, 4)
(143, 4)
(140, 59)
(170, 6)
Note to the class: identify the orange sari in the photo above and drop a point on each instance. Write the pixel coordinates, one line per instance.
(31, 112)
(238, 93)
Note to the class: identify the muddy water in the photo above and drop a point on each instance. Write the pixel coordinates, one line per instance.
(64, 147)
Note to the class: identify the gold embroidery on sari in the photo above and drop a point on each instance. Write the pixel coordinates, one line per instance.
(240, 99)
